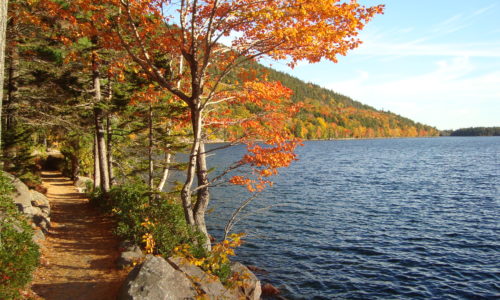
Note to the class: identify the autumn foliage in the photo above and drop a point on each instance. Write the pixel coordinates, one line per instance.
(196, 51)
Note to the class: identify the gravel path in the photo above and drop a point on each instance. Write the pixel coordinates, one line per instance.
(79, 254)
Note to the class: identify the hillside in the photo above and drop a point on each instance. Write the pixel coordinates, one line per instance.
(328, 115)
(473, 131)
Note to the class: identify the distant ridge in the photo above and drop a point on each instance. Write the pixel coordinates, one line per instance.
(473, 131)
(330, 115)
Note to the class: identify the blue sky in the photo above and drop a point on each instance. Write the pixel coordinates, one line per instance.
(436, 62)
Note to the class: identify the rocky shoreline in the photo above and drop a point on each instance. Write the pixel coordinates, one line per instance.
(34, 205)
(151, 277)
(174, 278)
(154, 277)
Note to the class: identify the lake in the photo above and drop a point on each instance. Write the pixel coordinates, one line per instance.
(375, 219)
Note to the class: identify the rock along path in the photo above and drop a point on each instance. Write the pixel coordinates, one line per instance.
(79, 255)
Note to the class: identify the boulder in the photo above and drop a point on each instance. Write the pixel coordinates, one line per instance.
(206, 283)
(269, 290)
(42, 222)
(257, 270)
(31, 203)
(38, 236)
(38, 217)
(32, 211)
(126, 245)
(21, 194)
(81, 183)
(129, 257)
(156, 279)
(40, 200)
(9, 220)
(251, 288)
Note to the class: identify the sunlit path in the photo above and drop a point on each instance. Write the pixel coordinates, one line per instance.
(80, 251)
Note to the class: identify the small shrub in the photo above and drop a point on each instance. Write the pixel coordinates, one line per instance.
(147, 221)
(217, 261)
(157, 223)
(32, 180)
(18, 253)
(95, 195)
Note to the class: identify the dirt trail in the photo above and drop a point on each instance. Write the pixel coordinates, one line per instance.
(78, 260)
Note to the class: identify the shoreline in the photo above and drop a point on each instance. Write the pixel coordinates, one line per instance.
(338, 139)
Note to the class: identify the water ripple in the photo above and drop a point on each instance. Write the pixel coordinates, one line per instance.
(377, 219)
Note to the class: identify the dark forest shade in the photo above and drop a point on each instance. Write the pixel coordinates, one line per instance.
(472, 131)
(477, 131)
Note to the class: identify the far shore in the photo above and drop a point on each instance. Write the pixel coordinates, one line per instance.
(217, 141)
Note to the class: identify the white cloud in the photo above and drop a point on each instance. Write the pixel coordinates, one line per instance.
(484, 10)
(416, 48)
(451, 25)
(447, 97)
(433, 40)
(445, 74)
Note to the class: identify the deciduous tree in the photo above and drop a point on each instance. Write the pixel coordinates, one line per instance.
(155, 31)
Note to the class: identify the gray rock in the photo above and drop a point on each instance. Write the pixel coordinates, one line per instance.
(45, 211)
(209, 284)
(128, 258)
(32, 211)
(21, 194)
(37, 216)
(9, 220)
(251, 289)
(133, 248)
(38, 236)
(42, 222)
(125, 245)
(81, 183)
(39, 200)
(156, 279)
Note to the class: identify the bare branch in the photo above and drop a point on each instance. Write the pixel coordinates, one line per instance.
(230, 223)
(218, 177)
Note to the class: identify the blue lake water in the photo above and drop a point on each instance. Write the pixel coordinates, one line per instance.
(375, 219)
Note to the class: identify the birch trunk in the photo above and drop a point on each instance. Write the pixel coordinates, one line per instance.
(193, 154)
(203, 194)
(97, 171)
(10, 104)
(3, 29)
(109, 135)
(101, 150)
(166, 170)
(99, 128)
(13, 74)
(150, 147)
(109, 150)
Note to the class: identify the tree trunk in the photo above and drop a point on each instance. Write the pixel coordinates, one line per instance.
(203, 194)
(168, 157)
(195, 216)
(150, 147)
(101, 150)
(97, 171)
(3, 28)
(99, 128)
(193, 154)
(9, 106)
(109, 135)
(13, 74)
(75, 167)
(109, 151)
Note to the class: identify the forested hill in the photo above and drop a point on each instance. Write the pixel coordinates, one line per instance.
(328, 115)
(473, 131)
